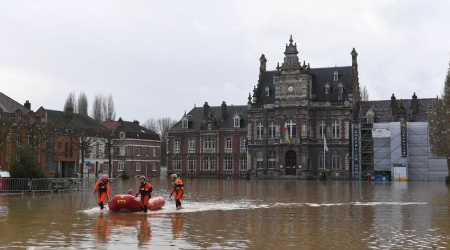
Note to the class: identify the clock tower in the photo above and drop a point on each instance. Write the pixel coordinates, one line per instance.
(292, 80)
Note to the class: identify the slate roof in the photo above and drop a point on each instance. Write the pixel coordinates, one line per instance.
(216, 112)
(10, 106)
(383, 112)
(78, 120)
(132, 130)
(320, 77)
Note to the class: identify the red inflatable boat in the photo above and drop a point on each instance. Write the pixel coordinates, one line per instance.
(126, 202)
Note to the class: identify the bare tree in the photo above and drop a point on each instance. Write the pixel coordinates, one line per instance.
(71, 102)
(364, 94)
(82, 105)
(151, 124)
(438, 124)
(111, 139)
(111, 113)
(103, 108)
(97, 112)
(82, 138)
(161, 127)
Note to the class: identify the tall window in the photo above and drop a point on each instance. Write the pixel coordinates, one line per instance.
(322, 129)
(292, 128)
(259, 130)
(228, 163)
(208, 163)
(271, 159)
(336, 163)
(66, 149)
(271, 130)
(70, 150)
(176, 144)
(154, 152)
(191, 144)
(191, 162)
(228, 143)
(106, 167)
(259, 159)
(237, 122)
(209, 143)
(138, 166)
(121, 166)
(176, 163)
(321, 162)
(243, 143)
(138, 151)
(147, 151)
(243, 163)
(19, 140)
(327, 89)
(154, 166)
(335, 129)
(267, 91)
(341, 92)
(185, 123)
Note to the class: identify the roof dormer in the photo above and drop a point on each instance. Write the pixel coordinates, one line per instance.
(185, 121)
(327, 88)
(237, 120)
(336, 75)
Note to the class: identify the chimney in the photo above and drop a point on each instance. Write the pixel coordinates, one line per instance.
(205, 110)
(224, 110)
(27, 105)
(69, 111)
(393, 106)
(136, 121)
(415, 104)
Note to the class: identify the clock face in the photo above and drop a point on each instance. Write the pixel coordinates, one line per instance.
(291, 88)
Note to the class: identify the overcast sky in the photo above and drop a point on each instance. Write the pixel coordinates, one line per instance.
(160, 58)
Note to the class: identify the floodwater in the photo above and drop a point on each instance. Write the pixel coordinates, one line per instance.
(237, 214)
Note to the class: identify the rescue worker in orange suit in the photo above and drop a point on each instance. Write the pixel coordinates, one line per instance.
(102, 189)
(178, 189)
(145, 189)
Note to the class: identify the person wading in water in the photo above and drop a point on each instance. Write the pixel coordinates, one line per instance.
(178, 189)
(102, 189)
(145, 189)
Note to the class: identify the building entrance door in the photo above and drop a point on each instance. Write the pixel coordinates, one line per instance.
(290, 164)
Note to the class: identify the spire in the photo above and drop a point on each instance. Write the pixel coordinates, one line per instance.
(291, 49)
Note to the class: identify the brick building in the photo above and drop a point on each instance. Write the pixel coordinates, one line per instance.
(140, 149)
(209, 141)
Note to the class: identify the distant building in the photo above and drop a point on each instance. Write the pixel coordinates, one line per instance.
(209, 141)
(140, 148)
(391, 140)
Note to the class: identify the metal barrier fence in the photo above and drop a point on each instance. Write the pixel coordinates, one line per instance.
(49, 184)
(14, 184)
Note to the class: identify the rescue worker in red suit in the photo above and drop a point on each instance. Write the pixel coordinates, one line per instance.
(178, 189)
(145, 189)
(102, 189)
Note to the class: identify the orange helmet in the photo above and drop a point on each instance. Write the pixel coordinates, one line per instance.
(104, 177)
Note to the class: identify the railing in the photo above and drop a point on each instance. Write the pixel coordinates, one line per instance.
(14, 184)
(49, 184)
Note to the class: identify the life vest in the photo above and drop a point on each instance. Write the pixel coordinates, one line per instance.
(142, 188)
(102, 186)
(178, 184)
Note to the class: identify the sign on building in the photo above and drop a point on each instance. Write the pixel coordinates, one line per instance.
(404, 139)
(381, 133)
(356, 152)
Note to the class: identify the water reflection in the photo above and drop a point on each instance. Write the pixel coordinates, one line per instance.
(101, 229)
(144, 233)
(177, 225)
